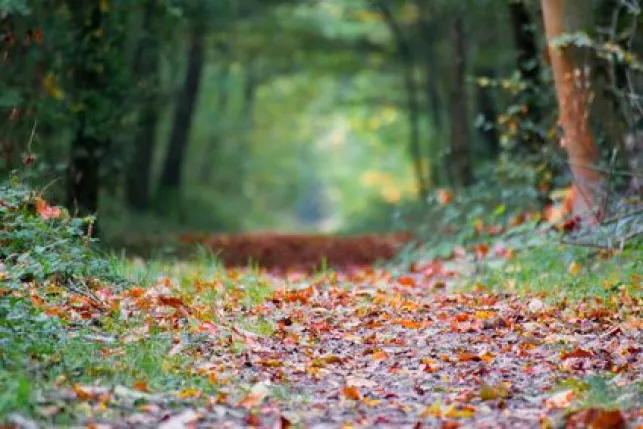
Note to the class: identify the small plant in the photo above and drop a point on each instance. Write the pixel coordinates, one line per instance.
(42, 243)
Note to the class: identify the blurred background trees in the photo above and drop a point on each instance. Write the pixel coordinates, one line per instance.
(332, 115)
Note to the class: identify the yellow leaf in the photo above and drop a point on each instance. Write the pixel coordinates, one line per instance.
(434, 410)
(51, 87)
(189, 393)
(464, 412)
(372, 402)
(489, 393)
(574, 268)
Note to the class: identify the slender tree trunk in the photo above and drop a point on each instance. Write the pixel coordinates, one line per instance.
(172, 174)
(213, 147)
(146, 68)
(460, 152)
(437, 175)
(488, 112)
(413, 104)
(527, 59)
(251, 81)
(571, 81)
(87, 147)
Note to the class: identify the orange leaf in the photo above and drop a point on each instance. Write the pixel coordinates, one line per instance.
(82, 392)
(468, 357)
(598, 419)
(352, 393)
(255, 397)
(561, 399)
(141, 386)
(444, 196)
(46, 211)
(135, 292)
(407, 281)
(380, 355)
(171, 301)
(576, 353)
(408, 323)
(481, 250)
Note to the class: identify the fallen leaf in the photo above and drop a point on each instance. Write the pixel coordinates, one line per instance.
(352, 393)
(141, 386)
(256, 396)
(576, 353)
(562, 399)
(372, 402)
(490, 393)
(189, 393)
(182, 420)
(464, 411)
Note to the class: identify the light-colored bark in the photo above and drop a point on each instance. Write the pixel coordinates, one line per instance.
(572, 81)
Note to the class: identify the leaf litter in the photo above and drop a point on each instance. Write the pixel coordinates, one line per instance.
(357, 347)
(361, 348)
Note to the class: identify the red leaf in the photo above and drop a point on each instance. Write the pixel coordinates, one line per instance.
(171, 301)
(576, 353)
(46, 211)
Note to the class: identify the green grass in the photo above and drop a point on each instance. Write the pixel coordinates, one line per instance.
(603, 392)
(560, 272)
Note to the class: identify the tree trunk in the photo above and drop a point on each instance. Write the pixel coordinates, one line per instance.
(251, 82)
(88, 146)
(460, 161)
(146, 69)
(172, 174)
(488, 113)
(571, 81)
(413, 104)
(528, 64)
(437, 175)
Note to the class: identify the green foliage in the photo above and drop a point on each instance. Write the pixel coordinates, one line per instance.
(36, 248)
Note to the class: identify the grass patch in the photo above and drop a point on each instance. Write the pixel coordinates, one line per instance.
(560, 272)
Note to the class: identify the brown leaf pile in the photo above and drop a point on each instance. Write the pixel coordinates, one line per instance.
(299, 251)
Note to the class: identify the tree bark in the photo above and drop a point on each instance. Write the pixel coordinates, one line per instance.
(488, 113)
(413, 104)
(146, 68)
(88, 146)
(212, 148)
(171, 177)
(437, 175)
(571, 80)
(460, 152)
(528, 64)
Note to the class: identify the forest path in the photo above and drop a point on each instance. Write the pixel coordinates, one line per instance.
(361, 347)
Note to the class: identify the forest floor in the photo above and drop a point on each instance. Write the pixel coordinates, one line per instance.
(196, 344)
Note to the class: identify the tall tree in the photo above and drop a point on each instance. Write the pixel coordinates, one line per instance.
(223, 95)
(172, 174)
(405, 53)
(572, 87)
(427, 24)
(487, 114)
(529, 70)
(97, 95)
(460, 161)
(146, 69)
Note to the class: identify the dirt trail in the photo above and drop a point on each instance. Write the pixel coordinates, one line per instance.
(283, 252)
(370, 349)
